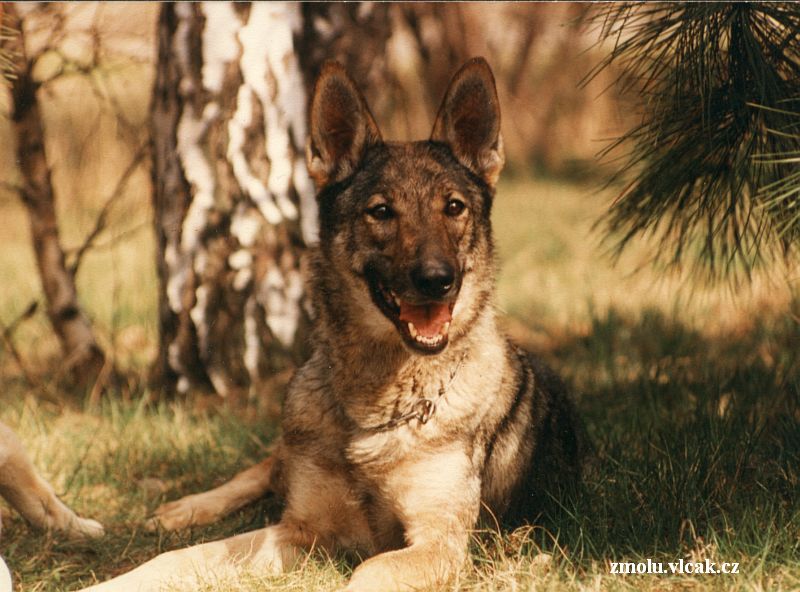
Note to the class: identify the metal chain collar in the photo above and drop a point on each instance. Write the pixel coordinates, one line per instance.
(423, 409)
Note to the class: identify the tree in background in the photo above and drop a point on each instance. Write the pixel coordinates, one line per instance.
(234, 205)
(713, 169)
(83, 357)
(74, 145)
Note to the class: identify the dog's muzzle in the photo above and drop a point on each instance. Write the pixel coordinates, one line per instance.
(423, 313)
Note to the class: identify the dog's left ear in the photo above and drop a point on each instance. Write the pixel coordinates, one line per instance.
(341, 126)
(469, 121)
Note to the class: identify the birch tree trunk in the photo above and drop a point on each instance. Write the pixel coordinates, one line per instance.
(234, 204)
(83, 356)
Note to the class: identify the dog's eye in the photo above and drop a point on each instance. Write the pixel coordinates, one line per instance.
(381, 212)
(454, 207)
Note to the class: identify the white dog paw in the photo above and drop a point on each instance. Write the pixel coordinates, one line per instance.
(85, 528)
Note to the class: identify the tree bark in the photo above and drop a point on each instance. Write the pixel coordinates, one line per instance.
(235, 208)
(83, 356)
(233, 202)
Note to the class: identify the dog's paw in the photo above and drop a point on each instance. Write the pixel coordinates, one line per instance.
(183, 513)
(85, 528)
(55, 516)
(171, 516)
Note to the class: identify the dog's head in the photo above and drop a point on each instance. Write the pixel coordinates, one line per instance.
(407, 224)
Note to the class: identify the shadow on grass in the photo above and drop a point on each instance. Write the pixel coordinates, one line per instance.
(697, 439)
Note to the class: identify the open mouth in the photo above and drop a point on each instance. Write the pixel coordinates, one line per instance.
(424, 326)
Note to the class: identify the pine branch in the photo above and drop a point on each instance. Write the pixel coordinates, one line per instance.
(717, 81)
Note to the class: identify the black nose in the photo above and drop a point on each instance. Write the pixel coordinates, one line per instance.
(433, 279)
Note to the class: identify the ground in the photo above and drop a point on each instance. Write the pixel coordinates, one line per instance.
(690, 394)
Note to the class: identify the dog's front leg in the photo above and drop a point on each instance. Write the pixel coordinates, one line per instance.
(32, 496)
(209, 506)
(437, 503)
(418, 566)
(269, 550)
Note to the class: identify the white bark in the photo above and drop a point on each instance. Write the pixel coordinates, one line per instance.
(239, 142)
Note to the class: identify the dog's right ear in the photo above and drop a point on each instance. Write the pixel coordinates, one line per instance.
(341, 126)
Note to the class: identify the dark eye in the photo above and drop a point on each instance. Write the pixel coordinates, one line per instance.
(454, 207)
(381, 212)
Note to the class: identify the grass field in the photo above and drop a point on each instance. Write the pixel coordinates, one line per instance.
(691, 397)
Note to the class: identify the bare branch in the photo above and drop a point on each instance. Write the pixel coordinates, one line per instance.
(8, 341)
(102, 218)
(30, 310)
(120, 236)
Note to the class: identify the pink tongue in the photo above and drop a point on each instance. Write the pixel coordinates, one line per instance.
(428, 319)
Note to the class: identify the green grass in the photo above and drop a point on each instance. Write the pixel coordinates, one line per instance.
(691, 399)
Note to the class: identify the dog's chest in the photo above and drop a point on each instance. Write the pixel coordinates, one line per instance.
(425, 418)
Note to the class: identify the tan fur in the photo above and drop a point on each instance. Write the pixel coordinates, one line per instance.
(32, 496)
(210, 506)
(360, 467)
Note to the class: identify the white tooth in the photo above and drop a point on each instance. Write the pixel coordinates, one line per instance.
(445, 329)
(424, 339)
(430, 341)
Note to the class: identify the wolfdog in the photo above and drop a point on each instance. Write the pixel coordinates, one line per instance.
(414, 415)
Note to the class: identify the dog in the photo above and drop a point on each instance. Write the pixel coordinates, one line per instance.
(33, 497)
(414, 416)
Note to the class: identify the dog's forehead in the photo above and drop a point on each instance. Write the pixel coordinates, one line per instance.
(419, 166)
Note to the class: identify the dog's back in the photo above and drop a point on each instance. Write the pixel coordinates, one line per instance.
(541, 414)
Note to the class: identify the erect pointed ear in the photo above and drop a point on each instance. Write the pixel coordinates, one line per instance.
(469, 121)
(341, 126)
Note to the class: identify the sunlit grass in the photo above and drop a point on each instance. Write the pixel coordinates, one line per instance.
(556, 270)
